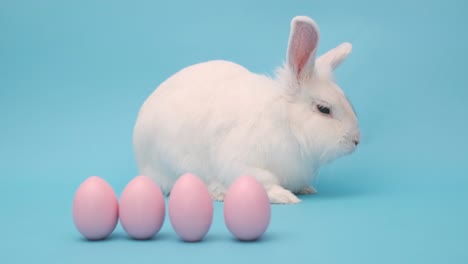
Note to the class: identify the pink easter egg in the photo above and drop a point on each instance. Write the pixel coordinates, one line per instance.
(247, 209)
(190, 208)
(142, 208)
(95, 209)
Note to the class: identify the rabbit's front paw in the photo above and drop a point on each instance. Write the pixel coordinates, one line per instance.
(306, 190)
(217, 191)
(217, 197)
(279, 195)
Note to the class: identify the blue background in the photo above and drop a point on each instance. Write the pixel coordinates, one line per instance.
(73, 75)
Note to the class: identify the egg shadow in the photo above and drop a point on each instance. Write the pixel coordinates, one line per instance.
(157, 237)
(209, 238)
(265, 238)
(123, 236)
(113, 237)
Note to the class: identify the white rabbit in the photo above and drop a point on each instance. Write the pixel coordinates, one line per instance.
(220, 121)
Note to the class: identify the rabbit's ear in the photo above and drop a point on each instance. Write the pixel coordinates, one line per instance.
(334, 57)
(303, 41)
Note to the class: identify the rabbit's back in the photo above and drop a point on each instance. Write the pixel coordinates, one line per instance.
(184, 124)
(215, 85)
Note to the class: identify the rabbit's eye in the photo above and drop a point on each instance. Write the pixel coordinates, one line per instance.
(323, 109)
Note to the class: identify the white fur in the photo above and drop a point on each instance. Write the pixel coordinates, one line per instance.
(220, 121)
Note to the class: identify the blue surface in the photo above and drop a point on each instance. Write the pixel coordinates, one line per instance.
(73, 76)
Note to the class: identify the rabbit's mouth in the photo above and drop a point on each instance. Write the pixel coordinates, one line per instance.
(349, 144)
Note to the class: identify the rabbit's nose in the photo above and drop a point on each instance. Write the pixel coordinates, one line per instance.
(357, 138)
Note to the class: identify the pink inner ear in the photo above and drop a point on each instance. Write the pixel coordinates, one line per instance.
(302, 46)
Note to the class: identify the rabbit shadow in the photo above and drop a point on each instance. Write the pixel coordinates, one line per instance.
(341, 188)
